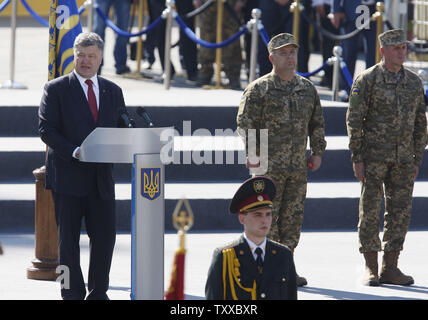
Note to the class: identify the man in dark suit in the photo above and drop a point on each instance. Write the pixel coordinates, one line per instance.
(72, 107)
(252, 267)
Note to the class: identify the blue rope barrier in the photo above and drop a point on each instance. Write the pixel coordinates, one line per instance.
(123, 33)
(34, 14)
(346, 73)
(4, 4)
(309, 74)
(264, 35)
(189, 32)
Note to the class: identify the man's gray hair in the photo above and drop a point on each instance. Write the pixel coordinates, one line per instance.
(87, 39)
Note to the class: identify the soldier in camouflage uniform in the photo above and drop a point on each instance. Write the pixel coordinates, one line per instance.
(231, 54)
(387, 130)
(289, 107)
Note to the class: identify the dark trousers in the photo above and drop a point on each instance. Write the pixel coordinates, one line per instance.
(351, 48)
(327, 45)
(276, 19)
(99, 215)
(156, 8)
(187, 48)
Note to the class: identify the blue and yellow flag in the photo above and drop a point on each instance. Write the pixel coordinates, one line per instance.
(64, 26)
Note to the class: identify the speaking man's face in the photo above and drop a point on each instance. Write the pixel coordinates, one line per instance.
(87, 61)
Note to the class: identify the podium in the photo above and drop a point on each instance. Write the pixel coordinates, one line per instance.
(142, 147)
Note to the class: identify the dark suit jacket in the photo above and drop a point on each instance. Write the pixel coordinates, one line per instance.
(65, 120)
(277, 282)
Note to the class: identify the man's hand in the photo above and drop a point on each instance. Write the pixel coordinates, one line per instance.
(282, 2)
(76, 153)
(335, 20)
(253, 162)
(359, 171)
(314, 162)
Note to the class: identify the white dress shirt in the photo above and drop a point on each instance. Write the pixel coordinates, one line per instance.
(253, 247)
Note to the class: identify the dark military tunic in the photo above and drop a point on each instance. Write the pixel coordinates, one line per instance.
(238, 278)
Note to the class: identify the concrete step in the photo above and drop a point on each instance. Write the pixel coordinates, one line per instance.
(329, 206)
(20, 156)
(23, 121)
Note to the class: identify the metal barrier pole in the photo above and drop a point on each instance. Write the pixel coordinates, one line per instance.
(167, 58)
(90, 7)
(337, 52)
(11, 83)
(378, 17)
(254, 25)
(296, 7)
(219, 38)
(139, 52)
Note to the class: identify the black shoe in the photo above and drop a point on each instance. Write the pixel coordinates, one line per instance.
(124, 70)
(235, 84)
(203, 81)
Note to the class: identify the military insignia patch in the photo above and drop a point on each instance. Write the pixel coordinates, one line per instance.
(150, 183)
(354, 92)
(259, 186)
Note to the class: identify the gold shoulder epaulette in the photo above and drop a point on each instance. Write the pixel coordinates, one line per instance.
(231, 266)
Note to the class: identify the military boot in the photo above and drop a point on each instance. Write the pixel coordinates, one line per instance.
(370, 275)
(301, 281)
(390, 274)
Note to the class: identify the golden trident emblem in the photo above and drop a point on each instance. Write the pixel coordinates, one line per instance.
(151, 184)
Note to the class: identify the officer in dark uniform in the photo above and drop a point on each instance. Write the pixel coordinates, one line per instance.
(252, 267)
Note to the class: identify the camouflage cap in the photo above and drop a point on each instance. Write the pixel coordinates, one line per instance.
(391, 37)
(281, 40)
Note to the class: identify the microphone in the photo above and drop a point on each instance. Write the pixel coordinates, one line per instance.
(126, 121)
(143, 114)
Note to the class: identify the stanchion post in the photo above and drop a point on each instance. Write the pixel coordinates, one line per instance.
(167, 14)
(378, 17)
(337, 52)
(139, 52)
(90, 7)
(219, 38)
(295, 8)
(11, 83)
(254, 25)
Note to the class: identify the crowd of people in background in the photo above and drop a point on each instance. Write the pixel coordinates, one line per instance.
(335, 16)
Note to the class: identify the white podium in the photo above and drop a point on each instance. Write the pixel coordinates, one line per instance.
(142, 147)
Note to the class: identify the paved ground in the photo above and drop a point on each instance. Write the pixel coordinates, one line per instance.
(329, 260)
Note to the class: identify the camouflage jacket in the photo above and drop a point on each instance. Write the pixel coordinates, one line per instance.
(386, 118)
(290, 110)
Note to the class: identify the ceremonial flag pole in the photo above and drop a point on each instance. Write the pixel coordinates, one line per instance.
(182, 221)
